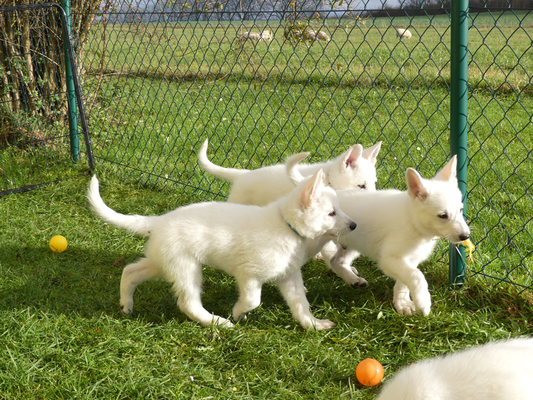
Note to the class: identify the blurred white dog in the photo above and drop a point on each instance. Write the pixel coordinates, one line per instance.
(495, 371)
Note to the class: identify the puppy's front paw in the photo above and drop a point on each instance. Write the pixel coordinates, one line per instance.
(405, 307)
(323, 324)
(222, 322)
(126, 309)
(359, 283)
(423, 304)
(318, 324)
(424, 311)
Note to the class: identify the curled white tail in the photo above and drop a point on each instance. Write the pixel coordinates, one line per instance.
(134, 223)
(229, 174)
(291, 166)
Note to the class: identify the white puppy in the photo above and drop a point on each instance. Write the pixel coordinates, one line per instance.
(254, 244)
(355, 169)
(399, 231)
(495, 371)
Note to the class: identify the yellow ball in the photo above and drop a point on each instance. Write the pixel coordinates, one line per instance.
(369, 372)
(58, 244)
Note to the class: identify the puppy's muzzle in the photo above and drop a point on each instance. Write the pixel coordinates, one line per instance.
(464, 237)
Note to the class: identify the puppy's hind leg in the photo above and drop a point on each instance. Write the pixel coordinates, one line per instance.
(187, 280)
(293, 290)
(249, 297)
(132, 276)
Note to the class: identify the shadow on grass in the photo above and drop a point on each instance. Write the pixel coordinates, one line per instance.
(86, 283)
(503, 302)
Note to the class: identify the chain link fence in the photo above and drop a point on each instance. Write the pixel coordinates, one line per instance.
(500, 143)
(160, 81)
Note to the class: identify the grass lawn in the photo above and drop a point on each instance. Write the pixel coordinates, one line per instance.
(63, 335)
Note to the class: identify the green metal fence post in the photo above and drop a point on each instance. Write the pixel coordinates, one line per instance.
(71, 93)
(459, 120)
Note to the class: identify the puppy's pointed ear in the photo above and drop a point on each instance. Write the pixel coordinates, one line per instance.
(312, 189)
(449, 172)
(349, 159)
(371, 153)
(415, 185)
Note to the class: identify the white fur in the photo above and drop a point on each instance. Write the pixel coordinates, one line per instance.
(321, 35)
(310, 35)
(399, 231)
(264, 35)
(495, 371)
(348, 273)
(254, 244)
(313, 35)
(355, 169)
(249, 36)
(403, 33)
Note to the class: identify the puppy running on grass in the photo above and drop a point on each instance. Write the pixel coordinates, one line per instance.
(254, 244)
(398, 230)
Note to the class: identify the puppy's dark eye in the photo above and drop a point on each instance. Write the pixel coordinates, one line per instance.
(443, 216)
(361, 186)
(332, 214)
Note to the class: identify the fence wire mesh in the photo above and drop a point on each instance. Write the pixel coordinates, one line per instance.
(34, 129)
(500, 143)
(261, 84)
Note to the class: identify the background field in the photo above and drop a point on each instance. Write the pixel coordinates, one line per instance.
(154, 92)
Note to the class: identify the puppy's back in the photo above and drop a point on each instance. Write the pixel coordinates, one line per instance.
(495, 371)
(265, 185)
(381, 217)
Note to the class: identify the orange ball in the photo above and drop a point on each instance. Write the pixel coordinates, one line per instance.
(369, 372)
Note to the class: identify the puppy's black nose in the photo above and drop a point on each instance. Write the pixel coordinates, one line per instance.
(464, 237)
(353, 225)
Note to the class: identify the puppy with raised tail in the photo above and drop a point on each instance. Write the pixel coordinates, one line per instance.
(254, 244)
(495, 371)
(398, 229)
(355, 169)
